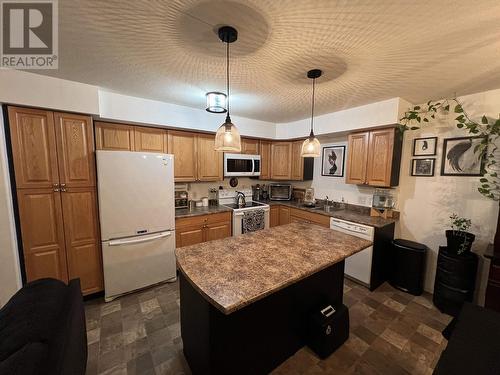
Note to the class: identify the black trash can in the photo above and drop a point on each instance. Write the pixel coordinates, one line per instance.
(328, 329)
(408, 266)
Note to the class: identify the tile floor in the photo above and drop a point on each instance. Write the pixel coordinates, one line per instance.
(391, 333)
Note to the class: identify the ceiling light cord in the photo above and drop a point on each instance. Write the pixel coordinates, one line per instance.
(227, 76)
(311, 135)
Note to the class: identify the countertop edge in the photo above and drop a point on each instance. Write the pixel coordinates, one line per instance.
(286, 283)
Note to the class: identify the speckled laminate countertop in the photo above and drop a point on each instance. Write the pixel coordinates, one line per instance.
(236, 271)
(198, 211)
(356, 214)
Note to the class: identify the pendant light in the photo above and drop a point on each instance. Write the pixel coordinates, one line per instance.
(227, 138)
(216, 102)
(311, 147)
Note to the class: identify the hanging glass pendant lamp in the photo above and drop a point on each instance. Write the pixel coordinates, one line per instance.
(311, 147)
(227, 138)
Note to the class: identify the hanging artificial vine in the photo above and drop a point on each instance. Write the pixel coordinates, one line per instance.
(487, 150)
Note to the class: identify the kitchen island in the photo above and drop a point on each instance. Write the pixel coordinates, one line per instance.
(245, 300)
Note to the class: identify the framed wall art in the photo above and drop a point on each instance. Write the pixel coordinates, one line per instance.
(425, 146)
(460, 158)
(423, 167)
(332, 163)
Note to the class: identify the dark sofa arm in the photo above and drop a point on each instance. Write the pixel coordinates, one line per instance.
(474, 345)
(68, 348)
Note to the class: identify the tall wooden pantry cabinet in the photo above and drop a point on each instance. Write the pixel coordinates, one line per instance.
(54, 165)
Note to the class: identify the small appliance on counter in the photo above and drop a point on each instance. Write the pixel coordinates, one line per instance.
(181, 199)
(213, 197)
(383, 199)
(309, 199)
(280, 192)
(383, 203)
(298, 194)
(257, 191)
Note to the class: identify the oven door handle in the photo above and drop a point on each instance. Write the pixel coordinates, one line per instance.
(253, 166)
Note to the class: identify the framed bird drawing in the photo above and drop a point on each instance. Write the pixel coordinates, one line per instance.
(459, 158)
(332, 164)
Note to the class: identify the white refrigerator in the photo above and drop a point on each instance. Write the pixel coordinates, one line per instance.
(137, 214)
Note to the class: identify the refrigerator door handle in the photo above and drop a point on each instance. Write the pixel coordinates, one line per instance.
(139, 240)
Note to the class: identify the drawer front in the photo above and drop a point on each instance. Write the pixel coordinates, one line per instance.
(191, 221)
(218, 218)
(202, 219)
(310, 217)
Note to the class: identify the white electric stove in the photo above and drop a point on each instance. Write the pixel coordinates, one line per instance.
(227, 197)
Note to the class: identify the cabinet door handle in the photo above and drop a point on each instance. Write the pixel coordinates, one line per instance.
(63, 185)
(63, 189)
(56, 190)
(56, 185)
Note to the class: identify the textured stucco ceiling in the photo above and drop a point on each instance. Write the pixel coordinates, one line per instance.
(369, 50)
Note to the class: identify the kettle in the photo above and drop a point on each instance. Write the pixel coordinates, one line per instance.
(309, 197)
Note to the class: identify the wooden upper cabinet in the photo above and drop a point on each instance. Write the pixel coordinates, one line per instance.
(183, 146)
(249, 146)
(281, 163)
(75, 149)
(265, 160)
(150, 139)
(374, 158)
(116, 137)
(42, 231)
(33, 147)
(357, 158)
(83, 249)
(209, 161)
(380, 152)
(297, 172)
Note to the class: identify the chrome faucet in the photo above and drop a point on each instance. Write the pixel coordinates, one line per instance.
(240, 199)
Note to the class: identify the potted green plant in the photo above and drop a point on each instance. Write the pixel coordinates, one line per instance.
(459, 240)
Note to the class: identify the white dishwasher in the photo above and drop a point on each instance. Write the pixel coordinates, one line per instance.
(358, 266)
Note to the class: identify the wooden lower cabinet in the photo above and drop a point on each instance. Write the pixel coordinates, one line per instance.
(198, 229)
(188, 235)
(218, 231)
(42, 233)
(284, 215)
(274, 216)
(81, 231)
(281, 215)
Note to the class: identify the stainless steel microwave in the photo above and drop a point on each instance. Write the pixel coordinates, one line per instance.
(241, 165)
(280, 192)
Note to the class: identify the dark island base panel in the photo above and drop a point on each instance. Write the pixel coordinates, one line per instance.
(259, 337)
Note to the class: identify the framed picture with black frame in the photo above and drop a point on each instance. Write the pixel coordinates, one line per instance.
(460, 157)
(332, 162)
(425, 146)
(423, 167)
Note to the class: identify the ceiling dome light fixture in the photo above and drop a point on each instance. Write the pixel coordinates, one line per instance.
(311, 147)
(216, 102)
(227, 138)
